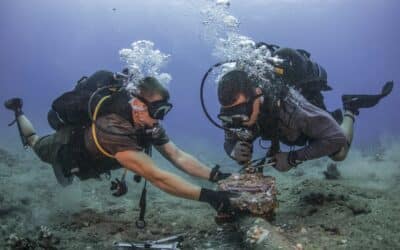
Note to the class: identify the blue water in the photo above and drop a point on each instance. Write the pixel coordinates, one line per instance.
(45, 46)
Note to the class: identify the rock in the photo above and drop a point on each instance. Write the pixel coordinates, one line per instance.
(320, 198)
(25, 201)
(332, 173)
(358, 207)
(309, 212)
(332, 229)
(314, 198)
(155, 231)
(260, 234)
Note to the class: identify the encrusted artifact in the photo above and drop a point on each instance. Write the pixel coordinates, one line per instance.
(257, 193)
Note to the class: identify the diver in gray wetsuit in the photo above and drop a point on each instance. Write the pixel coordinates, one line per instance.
(285, 116)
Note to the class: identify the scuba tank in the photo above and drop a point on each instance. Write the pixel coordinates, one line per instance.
(75, 107)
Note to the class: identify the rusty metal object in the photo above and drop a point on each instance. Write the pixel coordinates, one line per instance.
(257, 193)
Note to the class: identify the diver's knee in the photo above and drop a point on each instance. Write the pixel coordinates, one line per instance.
(32, 140)
(340, 155)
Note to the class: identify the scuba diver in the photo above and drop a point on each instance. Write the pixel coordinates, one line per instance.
(101, 126)
(286, 108)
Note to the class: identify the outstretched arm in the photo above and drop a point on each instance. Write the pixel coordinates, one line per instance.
(143, 165)
(184, 161)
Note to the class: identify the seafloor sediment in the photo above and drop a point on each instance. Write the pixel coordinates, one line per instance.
(359, 210)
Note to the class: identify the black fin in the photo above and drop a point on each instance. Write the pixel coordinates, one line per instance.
(355, 102)
(387, 88)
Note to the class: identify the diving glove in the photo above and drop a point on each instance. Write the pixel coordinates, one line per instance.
(14, 104)
(242, 152)
(284, 161)
(219, 200)
(354, 102)
(217, 175)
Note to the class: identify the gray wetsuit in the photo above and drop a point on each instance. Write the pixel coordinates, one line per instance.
(299, 123)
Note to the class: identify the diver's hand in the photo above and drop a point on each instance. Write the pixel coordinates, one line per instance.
(242, 152)
(284, 161)
(120, 187)
(217, 175)
(219, 200)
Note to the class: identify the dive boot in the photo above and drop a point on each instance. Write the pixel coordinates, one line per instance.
(14, 104)
(354, 102)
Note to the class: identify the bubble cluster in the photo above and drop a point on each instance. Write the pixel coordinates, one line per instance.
(142, 59)
(222, 30)
(217, 20)
(243, 50)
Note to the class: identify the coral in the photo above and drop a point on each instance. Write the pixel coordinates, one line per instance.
(45, 240)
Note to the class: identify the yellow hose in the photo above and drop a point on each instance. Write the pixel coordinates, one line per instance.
(96, 141)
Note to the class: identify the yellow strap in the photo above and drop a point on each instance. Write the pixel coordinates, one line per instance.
(96, 141)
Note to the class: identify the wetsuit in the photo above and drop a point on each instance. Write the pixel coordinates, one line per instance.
(73, 151)
(297, 122)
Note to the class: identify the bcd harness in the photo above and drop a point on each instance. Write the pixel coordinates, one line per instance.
(140, 222)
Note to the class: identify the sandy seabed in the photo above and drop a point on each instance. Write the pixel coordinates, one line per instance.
(360, 210)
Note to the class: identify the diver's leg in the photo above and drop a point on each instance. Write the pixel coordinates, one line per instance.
(347, 126)
(46, 147)
(351, 105)
(25, 127)
(27, 130)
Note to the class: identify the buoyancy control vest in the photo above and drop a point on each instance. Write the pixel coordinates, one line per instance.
(75, 109)
(300, 72)
(72, 107)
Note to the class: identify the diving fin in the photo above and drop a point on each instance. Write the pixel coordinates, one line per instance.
(14, 104)
(354, 102)
(387, 88)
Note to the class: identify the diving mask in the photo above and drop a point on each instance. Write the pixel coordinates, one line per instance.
(157, 109)
(236, 115)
